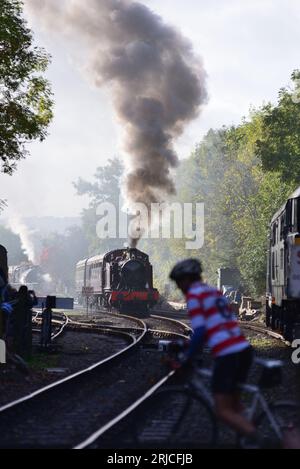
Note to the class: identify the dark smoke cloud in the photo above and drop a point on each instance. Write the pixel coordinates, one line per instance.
(157, 83)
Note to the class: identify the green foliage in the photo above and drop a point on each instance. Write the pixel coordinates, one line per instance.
(243, 174)
(39, 362)
(240, 198)
(279, 145)
(25, 96)
(105, 188)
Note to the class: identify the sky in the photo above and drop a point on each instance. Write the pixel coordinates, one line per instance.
(249, 49)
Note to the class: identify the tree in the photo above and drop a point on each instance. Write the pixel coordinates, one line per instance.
(105, 188)
(242, 174)
(25, 96)
(279, 145)
(240, 197)
(252, 196)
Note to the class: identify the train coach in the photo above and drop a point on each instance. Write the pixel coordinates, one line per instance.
(283, 279)
(32, 276)
(121, 279)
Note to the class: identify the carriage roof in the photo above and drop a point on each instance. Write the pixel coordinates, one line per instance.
(101, 257)
(295, 195)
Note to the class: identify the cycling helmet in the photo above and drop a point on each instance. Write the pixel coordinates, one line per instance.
(188, 267)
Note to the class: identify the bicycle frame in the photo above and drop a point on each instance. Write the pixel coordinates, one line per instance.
(200, 387)
(258, 399)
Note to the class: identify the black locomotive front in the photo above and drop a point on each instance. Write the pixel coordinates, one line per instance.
(133, 276)
(121, 279)
(32, 276)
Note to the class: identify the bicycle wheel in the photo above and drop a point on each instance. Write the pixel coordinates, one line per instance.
(176, 418)
(286, 415)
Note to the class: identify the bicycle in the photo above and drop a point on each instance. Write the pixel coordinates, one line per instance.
(182, 416)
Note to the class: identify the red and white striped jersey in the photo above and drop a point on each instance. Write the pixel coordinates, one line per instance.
(208, 308)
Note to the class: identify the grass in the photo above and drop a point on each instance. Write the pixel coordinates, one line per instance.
(41, 361)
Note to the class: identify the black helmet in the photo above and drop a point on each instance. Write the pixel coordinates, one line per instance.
(190, 267)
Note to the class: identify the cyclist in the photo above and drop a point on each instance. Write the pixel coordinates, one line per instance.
(216, 326)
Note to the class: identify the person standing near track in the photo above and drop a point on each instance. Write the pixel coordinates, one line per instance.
(215, 325)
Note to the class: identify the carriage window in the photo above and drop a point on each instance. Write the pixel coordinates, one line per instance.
(273, 266)
(289, 214)
(297, 215)
(281, 259)
(274, 234)
(293, 215)
(282, 225)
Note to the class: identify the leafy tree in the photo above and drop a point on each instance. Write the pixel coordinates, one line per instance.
(243, 174)
(25, 96)
(240, 197)
(279, 144)
(104, 188)
(252, 196)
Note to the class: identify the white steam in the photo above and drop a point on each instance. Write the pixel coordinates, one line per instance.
(29, 239)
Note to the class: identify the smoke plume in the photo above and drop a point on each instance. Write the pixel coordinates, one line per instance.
(157, 82)
(30, 240)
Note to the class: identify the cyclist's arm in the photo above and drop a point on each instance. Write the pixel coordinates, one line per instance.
(196, 343)
(196, 314)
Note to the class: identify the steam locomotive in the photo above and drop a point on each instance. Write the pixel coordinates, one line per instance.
(283, 279)
(30, 275)
(121, 279)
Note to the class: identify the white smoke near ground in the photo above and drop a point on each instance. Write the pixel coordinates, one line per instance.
(47, 278)
(158, 85)
(30, 239)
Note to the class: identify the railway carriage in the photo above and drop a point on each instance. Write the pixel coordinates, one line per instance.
(32, 276)
(122, 279)
(283, 279)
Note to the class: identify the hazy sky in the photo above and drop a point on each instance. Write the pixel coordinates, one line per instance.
(249, 48)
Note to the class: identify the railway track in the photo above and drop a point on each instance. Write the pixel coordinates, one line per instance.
(264, 330)
(168, 327)
(24, 422)
(92, 441)
(60, 323)
(158, 326)
(122, 424)
(60, 414)
(79, 420)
